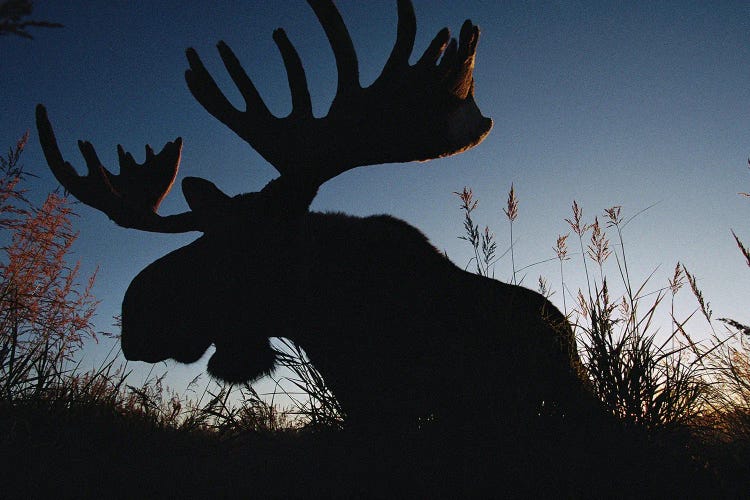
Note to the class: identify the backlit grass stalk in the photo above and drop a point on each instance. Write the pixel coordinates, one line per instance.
(580, 229)
(318, 406)
(511, 212)
(561, 250)
(482, 242)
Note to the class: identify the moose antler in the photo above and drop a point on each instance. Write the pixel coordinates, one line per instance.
(409, 113)
(131, 198)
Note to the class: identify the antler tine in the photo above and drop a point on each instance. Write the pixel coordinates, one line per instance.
(433, 51)
(147, 187)
(64, 171)
(467, 51)
(301, 103)
(204, 89)
(130, 198)
(254, 104)
(449, 57)
(341, 43)
(406, 33)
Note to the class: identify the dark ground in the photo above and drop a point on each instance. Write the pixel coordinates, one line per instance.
(92, 454)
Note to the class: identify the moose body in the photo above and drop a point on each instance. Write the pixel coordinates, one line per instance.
(396, 329)
(389, 321)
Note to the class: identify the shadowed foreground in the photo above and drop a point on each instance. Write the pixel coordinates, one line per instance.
(93, 453)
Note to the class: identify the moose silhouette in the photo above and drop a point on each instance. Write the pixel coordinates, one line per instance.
(397, 330)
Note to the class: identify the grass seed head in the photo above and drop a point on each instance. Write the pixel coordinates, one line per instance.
(512, 208)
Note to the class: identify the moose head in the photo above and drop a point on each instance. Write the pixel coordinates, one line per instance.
(371, 301)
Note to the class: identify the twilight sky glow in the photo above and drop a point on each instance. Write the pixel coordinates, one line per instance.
(606, 103)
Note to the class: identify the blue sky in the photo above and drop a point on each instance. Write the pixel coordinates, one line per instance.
(606, 103)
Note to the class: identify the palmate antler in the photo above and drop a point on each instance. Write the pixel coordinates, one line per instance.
(410, 113)
(131, 198)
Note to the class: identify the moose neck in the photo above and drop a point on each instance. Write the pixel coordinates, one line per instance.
(289, 197)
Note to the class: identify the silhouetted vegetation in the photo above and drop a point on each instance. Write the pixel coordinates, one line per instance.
(45, 316)
(684, 406)
(687, 397)
(13, 19)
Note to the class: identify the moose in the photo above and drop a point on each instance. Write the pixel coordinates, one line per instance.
(397, 330)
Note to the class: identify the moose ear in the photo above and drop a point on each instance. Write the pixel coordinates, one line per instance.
(202, 195)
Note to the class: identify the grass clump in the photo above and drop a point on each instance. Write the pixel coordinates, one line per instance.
(686, 396)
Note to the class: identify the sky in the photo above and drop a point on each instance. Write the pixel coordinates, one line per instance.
(638, 104)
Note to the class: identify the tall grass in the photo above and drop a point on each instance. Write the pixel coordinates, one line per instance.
(45, 315)
(646, 379)
(315, 403)
(46, 319)
(643, 380)
(730, 362)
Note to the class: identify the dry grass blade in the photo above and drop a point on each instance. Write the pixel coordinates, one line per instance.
(745, 251)
(320, 408)
(704, 305)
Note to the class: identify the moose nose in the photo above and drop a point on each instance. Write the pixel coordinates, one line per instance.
(129, 350)
(135, 349)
